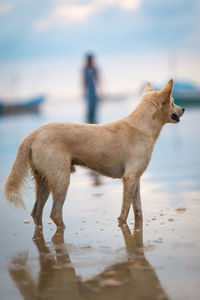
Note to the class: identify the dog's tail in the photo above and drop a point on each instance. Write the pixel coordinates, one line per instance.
(16, 178)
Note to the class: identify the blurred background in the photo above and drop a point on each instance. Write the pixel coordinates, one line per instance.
(43, 44)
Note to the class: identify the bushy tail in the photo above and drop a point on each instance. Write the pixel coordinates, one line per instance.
(16, 178)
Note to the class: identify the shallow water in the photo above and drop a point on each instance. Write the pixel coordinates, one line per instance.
(94, 258)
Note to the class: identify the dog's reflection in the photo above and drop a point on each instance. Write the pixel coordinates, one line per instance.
(57, 279)
(133, 279)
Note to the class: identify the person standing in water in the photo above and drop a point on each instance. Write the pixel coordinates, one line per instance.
(90, 82)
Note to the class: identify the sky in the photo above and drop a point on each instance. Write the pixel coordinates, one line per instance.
(43, 43)
(34, 29)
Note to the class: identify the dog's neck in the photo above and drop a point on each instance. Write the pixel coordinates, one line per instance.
(146, 121)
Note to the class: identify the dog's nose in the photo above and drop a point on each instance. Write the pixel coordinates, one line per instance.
(183, 109)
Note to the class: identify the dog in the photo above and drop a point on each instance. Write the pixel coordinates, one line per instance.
(119, 149)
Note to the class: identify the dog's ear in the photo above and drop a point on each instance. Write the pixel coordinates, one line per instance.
(148, 88)
(167, 89)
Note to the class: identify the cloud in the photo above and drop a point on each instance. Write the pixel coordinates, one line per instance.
(66, 27)
(123, 4)
(5, 8)
(75, 12)
(66, 14)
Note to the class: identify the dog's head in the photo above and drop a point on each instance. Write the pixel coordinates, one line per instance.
(165, 108)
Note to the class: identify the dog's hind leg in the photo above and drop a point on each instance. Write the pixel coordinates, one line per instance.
(59, 192)
(42, 194)
(136, 202)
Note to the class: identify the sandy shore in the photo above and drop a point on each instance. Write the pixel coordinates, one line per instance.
(94, 258)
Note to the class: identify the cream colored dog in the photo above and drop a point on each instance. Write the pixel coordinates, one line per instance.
(120, 149)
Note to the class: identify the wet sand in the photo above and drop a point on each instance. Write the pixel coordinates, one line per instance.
(94, 258)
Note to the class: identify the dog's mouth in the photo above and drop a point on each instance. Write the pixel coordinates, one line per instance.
(175, 117)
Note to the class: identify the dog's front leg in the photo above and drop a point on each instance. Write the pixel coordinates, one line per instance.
(130, 183)
(136, 202)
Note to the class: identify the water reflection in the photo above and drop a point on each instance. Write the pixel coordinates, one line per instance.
(56, 278)
(133, 279)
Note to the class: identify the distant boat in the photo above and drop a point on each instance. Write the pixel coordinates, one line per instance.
(25, 106)
(185, 93)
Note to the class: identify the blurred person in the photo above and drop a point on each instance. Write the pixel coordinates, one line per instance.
(90, 82)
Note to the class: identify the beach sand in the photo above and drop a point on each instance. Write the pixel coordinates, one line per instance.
(94, 258)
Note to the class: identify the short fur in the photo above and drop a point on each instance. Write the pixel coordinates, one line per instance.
(120, 149)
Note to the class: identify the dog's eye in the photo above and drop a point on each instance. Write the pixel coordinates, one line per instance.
(164, 102)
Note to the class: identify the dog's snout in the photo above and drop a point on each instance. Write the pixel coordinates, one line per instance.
(183, 109)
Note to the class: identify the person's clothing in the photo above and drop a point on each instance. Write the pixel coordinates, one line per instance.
(90, 80)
